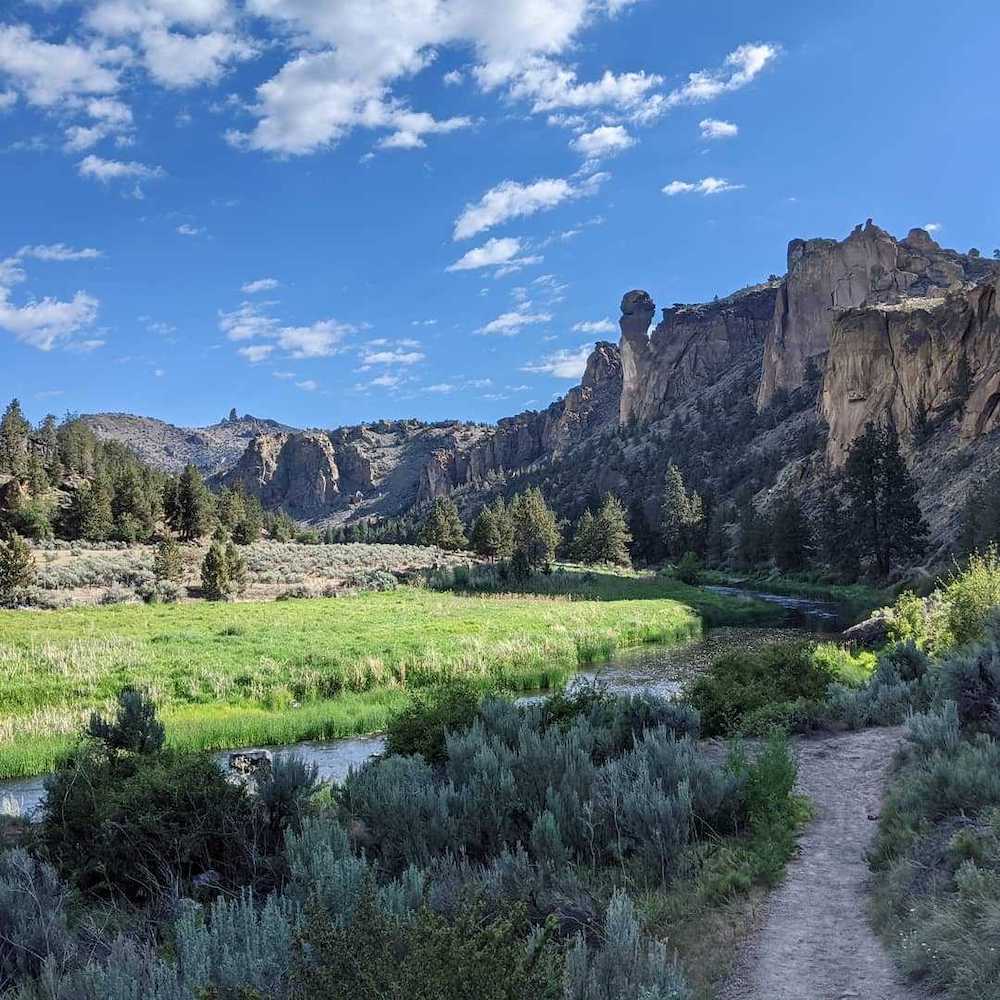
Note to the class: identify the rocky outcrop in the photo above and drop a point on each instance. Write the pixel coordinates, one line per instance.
(690, 348)
(826, 277)
(297, 472)
(518, 442)
(919, 362)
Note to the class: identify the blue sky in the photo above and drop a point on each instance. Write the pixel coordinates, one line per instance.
(327, 212)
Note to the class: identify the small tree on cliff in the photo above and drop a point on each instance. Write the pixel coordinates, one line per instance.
(884, 511)
(443, 526)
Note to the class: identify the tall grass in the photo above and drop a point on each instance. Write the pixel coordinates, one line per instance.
(228, 675)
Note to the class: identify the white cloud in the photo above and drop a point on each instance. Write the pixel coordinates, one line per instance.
(412, 126)
(510, 323)
(453, 78)
(707, 185)
(606, 140)
(283, 375)
(594, 326)
(442, 388)
(8, 98)
(551, 86)
(58, 252)
(512, 200)
(568, 364)
(113, 170)
(320, 340)
(260, 285)
(180, 61)
(933, 227)
(47, 73)
(247, 323)
(741, 66)
(185, 229)
(307, 385)
(493, 253)
(392, 358)
(387, 381)
(714, 128)
(256, 353)
(47, 322)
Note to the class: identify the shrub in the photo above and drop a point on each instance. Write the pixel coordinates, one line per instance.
(424, 957)
(17, 567)
(167, 563)
(135, 728)
(420, 728)
(971, 678)
(689, 569)
(739, 684)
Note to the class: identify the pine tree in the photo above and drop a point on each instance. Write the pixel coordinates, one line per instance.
(249, 529)
(790, 535)
(14, 430)
(17, 566)
(754, 532)
(673, 512)
(95, 520)
(443, 526)
(167, 563)
(582, 548)
(191, 513)
(536, 531)
(237, 567)
(487, 534)
(883, 505)
(131, 506)
(611, 534)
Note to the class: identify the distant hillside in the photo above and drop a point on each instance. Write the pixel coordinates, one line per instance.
(168, 447)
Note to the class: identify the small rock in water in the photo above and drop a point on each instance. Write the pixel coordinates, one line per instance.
(250, 762)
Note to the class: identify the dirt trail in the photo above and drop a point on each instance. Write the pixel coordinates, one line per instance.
(814, 941)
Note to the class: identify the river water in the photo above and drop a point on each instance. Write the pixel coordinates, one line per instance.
(660, 669)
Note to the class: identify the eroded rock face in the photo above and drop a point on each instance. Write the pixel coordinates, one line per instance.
(518, 442)
(689, 349)
(295, 471)
(826, 277)
(918, 362)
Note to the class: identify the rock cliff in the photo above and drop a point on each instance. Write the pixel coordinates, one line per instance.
(922, 362)
(690, 348)
(826, 277)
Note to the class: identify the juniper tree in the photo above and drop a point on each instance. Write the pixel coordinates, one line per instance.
(167, 563)
(611, 535)
(491, 532)
(536, 531)
(191, 505)
(582, 549)
(17, 566)
(443, 526)
(790, 535)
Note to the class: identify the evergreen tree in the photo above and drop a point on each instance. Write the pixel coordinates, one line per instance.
(790, 535)
(131, 507)
(249, 528)
(38, 478)
(237, 567)
(231, 506)
(95, 520)
(14, 430)
(883, 505)
(281, 527)
(611, 534)
(443, 526)
(17, 566)
(191, 513)
(754, 532)
(215, 582)
(673, 512)
(536, 531)
(582, 548)
(491, 532)
(167, 563)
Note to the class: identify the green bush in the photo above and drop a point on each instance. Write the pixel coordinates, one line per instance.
(689, 569)
(740, 685)
(422, 725)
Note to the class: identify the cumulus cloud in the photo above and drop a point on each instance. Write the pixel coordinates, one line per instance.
(741, 67)
(252, 322)
(307, 385)
(933, 227)
(510, 323)
(707, 185)
(180, 61)
(411, 127)
(550, 86)
(568, 364)
(260, 285)
(714, 128)
(320, 340)
(256, 353)
(186, 229)
(605, 140)
(513, 200)
(48, 322)
(49, 73)
(501, 254)
(393, 357)
(594, 326)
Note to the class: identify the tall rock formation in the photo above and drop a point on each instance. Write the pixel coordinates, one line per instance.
(921, 361)
(826, 277)
(690, 348)
(295, 471)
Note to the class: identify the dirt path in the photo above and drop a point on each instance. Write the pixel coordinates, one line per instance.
(814, 942)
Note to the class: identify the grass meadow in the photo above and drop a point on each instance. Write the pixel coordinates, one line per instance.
(279, 671)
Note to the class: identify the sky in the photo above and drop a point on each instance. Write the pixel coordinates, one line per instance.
(335, 211)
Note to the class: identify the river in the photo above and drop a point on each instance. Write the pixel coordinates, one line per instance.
(661, 669)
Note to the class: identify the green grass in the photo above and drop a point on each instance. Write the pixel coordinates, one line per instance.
(275, 672)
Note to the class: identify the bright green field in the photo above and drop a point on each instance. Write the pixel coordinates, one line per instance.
(237, 674)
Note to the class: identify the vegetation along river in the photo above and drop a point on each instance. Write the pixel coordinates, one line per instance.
(662, 669)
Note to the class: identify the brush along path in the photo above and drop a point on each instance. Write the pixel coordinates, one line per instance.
(814, 941)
